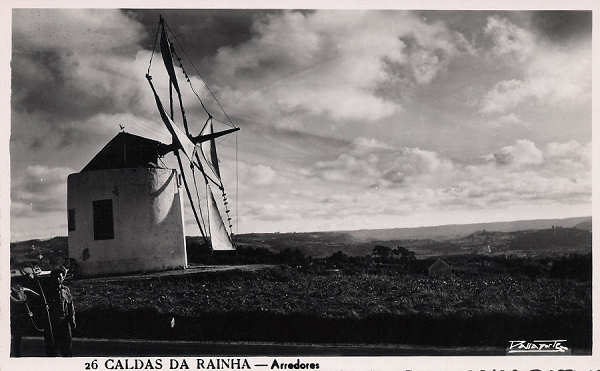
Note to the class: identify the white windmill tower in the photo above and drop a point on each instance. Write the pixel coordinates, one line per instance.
(125, 213)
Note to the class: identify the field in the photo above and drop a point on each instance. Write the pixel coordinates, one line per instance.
(503, 286)
(380, 305)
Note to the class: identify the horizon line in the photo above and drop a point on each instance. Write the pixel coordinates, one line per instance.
(364, 229)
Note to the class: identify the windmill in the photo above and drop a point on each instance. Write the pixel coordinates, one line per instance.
(125, 211)
(198, 152)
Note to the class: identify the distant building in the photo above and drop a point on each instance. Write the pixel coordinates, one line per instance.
(124, 212)
(440, 269)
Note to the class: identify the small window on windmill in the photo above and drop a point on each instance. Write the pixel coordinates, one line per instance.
(71, 219)
(103, 220)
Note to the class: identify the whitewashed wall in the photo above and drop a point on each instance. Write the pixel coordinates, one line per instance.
(148, 223)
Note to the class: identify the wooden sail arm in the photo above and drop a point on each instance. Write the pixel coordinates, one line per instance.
(163, 149)
(207, 137)
(207, 177)
(189, 194)
(166, 148)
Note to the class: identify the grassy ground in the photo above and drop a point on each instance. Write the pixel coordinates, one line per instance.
(287, 290)
(380, 303)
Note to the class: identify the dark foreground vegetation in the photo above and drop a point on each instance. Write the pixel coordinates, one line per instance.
(486, 301)
(386, 296)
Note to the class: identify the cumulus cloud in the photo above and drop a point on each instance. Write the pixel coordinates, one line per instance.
(371, 181)
(81, 80)
(260, 175)
(41, 189)
(358, 165)
(570, 155)
(417, 164)
(543, 72)
(523, 152)
(418, 179)
(74, 81)
(371, 163)
(332, 64)
(571, 149)
(508, 120)
(508, 39)
(86, 68)
(99, 32)
(504, 95)
(523, 172)
(365, 145)
(251, 177)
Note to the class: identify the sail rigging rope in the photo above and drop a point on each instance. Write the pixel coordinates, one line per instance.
(237, 182)
(180, 45)
(147, 129)
(198, 197)
(166, 27)
(187, 78)
(206, 123)
(153, 47)
(208, 208)
(162, 162)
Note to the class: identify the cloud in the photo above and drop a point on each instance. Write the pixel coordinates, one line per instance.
(543, 72)
(505, 95)
(416, 165)
(336, 75)
(560, 172)
(371, 163)
(508, 39)
(563, 26)
(41, 189)
(359, 165)
(570, 155)
(365, 145)
(417, 179)
(523, 152)
(331, 63)
(85, 30)
(570, 149)
(81, 60)
(259, 175)
(80, 80)
(508, 120)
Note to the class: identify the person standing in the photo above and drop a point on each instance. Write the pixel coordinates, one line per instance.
(61, 312)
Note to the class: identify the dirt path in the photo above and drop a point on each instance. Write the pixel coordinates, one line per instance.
(83, 347)
(179, 272)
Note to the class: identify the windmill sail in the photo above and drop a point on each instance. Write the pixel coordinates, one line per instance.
(199, 150)
(209, 164)
(219, 238)
(165, 50)
(209, 149)
(186, 145)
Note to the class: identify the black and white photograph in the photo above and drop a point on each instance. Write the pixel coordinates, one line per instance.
(299, 183)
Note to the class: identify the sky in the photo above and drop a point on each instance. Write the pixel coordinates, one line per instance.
(349, 119)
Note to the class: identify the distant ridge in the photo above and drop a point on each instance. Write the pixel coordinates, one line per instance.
(587, 225)
(425, 241)
(448, 231)
(440, 232)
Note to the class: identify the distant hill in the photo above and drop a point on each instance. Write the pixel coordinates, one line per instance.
(46, 253)
(424, 241)
(586, 225)
(444, 232)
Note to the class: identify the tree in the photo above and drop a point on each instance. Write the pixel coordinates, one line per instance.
(381, 251)
(338, 257)
(405, 254)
